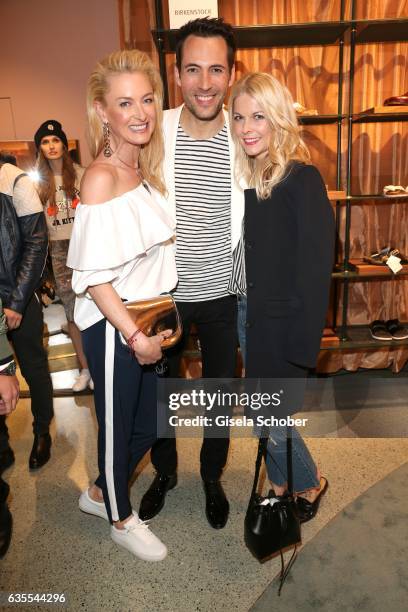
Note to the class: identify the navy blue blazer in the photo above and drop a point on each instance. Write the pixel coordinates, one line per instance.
(289, 252)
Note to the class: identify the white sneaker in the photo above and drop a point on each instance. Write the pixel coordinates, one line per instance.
(139, 540)
(88, 505)
(81, 381)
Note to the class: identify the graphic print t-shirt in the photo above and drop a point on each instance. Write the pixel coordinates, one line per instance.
(60, 221)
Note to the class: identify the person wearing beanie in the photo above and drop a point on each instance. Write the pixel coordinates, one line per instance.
(58, 187)
(50, 128)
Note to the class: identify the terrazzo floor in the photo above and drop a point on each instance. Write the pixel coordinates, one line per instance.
(58, 549)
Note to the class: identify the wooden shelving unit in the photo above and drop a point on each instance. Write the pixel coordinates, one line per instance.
(354, 32)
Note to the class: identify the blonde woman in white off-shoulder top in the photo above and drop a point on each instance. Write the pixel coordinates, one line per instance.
(122, 249)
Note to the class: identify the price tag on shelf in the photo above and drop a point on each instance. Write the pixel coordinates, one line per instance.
(181, 11)
(394, 263)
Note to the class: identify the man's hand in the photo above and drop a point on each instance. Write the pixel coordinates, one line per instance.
(13, 318)
(9, 393)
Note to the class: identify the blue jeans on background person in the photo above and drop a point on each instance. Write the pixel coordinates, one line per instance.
(304, 468)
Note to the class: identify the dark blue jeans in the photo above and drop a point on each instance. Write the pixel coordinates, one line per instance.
(304, 468)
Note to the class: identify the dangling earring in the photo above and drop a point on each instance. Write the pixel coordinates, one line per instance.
(107, 151)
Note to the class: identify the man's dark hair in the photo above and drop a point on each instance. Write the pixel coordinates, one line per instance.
(206, 28)
(7, 158)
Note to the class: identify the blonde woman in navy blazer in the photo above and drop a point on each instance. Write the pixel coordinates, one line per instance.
(287, 257)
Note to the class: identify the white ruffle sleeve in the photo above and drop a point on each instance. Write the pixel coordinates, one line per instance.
(107, 236)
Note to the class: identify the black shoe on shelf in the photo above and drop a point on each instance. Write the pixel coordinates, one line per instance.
(217, 506)
(6, 459)
(397, 331)
(154, 498)
(379, 330)
(41, 451)
(6, 522)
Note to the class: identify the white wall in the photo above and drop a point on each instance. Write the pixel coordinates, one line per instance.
(47, 50)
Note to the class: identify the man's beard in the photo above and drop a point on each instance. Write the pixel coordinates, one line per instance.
(193, 111)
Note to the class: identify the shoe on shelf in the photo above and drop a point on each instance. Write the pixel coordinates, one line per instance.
(381, 257)
(379, 330)
(302, 110)
(82, 381)
(137, 538)
(395, 191)
(154, 498)
(90, 506)
(397, 100)
(6, 459)
(41, 451)
(397, 331)
(307, 509)
(217, 506)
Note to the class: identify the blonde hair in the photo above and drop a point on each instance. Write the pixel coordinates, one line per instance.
(128, 61)
(285, 144)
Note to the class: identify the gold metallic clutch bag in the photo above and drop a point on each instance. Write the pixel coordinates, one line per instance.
(154, 315)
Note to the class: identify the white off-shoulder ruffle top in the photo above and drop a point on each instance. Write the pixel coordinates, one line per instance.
(127, 241)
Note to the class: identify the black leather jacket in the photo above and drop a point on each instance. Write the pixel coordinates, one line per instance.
(23, 243)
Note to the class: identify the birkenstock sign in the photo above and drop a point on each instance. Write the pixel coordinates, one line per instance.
(182, 11)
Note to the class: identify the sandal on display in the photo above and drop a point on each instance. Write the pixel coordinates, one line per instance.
(308, 509)
(395, 191)
(381, 258)
(302, 110)
(397, 100)
(379, 330)
(397, 331)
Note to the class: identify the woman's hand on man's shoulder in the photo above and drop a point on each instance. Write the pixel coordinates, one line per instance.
(98, 183)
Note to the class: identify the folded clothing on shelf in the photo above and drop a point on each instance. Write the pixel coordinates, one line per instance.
(397, 100)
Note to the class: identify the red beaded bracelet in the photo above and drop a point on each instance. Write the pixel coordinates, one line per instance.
(131, 338)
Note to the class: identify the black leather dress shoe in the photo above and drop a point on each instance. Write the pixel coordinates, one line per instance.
(308, 510)
(6, 521)
(153, 500)
(217, 506)
(41, 451)
(6, 459)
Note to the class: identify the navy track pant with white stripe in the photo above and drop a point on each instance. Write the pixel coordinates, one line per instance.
(126, 405)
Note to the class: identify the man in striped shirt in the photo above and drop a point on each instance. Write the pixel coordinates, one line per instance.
(209, 209)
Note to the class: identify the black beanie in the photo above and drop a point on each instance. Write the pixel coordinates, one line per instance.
(50, 128)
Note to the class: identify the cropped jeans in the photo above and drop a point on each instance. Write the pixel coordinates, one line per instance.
(303, 466)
